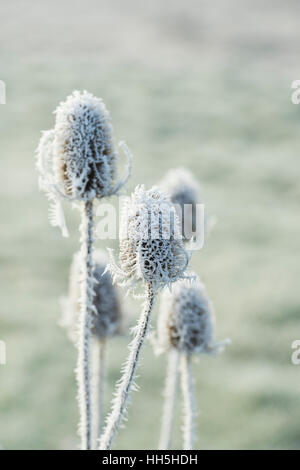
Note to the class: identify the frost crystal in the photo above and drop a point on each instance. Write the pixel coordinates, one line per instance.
(186, 320)
(184, 192)
(151, 248)
(106, 314)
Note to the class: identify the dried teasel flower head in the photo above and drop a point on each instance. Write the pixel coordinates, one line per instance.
(186, 320)
(84, 157)
(184, 192)
(77, 159)
(151, 248)
(106, 314)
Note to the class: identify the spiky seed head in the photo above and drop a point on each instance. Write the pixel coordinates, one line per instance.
(106, 315)
(184, 192)
(151, 248)
(77, 159)
(106, 321)
(84, 159)
(186, 319)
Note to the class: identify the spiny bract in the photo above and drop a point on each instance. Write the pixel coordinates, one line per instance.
(186, 319)
(151, 248)
(184, 192)
(106, 314)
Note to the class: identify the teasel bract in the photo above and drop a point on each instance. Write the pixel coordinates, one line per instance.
(77, 162)
(107, 321)
(151, 251)
(185, 328)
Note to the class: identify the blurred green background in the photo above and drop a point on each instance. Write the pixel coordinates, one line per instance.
(205, 84)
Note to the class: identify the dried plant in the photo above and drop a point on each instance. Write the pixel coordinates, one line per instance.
(170, 392)
(184, 192)
(107, 321)
(186, 325)
(77, 162)
(151, 251)
(77, 159)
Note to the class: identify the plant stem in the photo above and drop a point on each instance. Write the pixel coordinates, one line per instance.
(87, 293)
(99, 387)
(126, 382)
(187, 389)
(170, 399)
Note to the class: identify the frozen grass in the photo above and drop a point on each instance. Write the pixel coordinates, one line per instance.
(216, 98)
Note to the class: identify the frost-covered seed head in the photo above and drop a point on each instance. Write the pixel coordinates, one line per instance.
(151, 248)
(84, 158)
(77, 160)
(106, 316)
(77, 157)
(186, 319)
(184, 192)
(107, 320)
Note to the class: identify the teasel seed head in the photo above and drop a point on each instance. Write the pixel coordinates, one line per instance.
(186, 320)
(84, 159)
(106, 315)
(184, 192)
(77, 159)
(151, 248)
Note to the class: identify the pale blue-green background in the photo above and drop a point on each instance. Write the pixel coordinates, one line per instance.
(205, 84)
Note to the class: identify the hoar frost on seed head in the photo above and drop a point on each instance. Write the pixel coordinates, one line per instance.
(151, 248)
(186, 320)
(106, 314)
(84, 160)
(184, 192)
(77, 159)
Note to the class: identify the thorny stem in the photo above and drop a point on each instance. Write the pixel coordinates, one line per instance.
(126, 382)
(83, 366)
(187, 389)
(99, 388)
(170, 393)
